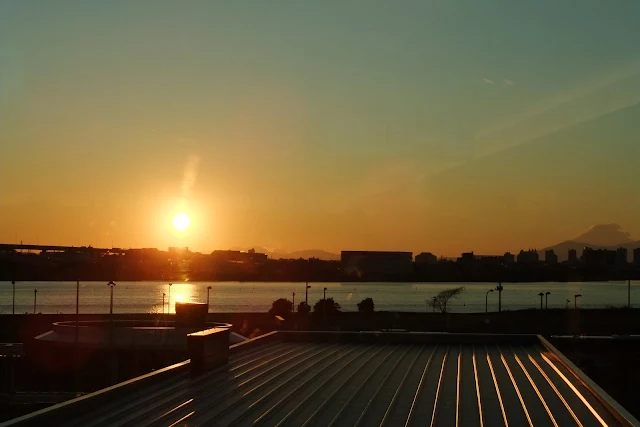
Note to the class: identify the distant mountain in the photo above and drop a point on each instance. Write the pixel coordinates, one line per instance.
(305, 254)
(605, 235)
(600, 236)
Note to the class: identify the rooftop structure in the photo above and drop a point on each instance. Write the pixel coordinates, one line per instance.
(358, 379)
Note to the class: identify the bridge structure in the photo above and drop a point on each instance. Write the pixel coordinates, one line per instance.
(15, 247)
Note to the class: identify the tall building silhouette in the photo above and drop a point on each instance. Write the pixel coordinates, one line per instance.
(573, 256)
(550, 257)
(528, 257)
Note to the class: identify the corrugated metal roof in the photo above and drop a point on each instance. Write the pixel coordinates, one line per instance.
(441, 382)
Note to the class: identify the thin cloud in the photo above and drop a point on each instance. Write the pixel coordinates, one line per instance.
(509, 82)
(488, 81)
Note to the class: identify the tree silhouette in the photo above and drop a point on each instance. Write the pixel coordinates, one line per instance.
(440, 301)
(303, 308)
(331, 306)
(281, 307)
(366, 306)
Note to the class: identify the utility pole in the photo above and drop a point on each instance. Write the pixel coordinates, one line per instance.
(111, 285)
(499, 289)
(293, 303)
(306, 294)
(14, 297)
(169, 301)
(163, 295)
(629, 294)
(208, 290)
(35, 299)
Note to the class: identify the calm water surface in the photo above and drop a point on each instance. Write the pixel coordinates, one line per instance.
(146, 297)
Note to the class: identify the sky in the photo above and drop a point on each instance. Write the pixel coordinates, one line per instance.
(441, 126)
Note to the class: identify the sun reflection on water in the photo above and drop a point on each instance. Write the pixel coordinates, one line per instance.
(180, 292)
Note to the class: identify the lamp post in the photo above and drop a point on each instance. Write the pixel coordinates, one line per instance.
(541, 294)
(486, 301)
(629, 293)
(546, 300)
(163, 295)
(575, 300)
(499, 288)
(35, 299)
(111, 285)
(324, 305)
(77, 307)
(77, 298)
(169, 300)
(208, 291)
(293, 303)
(306, 294)
(14, 297)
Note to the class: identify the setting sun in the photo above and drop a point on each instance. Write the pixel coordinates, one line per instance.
(181, 221)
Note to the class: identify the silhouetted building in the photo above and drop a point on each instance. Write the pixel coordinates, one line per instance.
(621, 256)
(599, 257)
(573, 256)
(508, 258)
(528, 257)
(374, 264)
(251, 256)
(175, 252)
(467, 258)
(636, 257)
(550, 257)
(426, 258)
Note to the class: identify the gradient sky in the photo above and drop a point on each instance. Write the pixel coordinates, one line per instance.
(439, 126)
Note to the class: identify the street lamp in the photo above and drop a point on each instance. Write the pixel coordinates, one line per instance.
(575, 300)
(111, 285)
(14, 297)
(486, 301)
(541, 295)
(499, 288)
(324, 305)
(208, 290)
(546, 300)
(35, 298)
(306, 294)
(163, 295)
(293, 303)
(169, 300)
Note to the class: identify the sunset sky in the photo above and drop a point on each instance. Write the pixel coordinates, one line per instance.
(440, 126)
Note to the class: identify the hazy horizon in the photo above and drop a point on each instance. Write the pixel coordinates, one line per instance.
(440, 126)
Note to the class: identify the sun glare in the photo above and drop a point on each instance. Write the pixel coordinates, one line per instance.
(181, 221)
